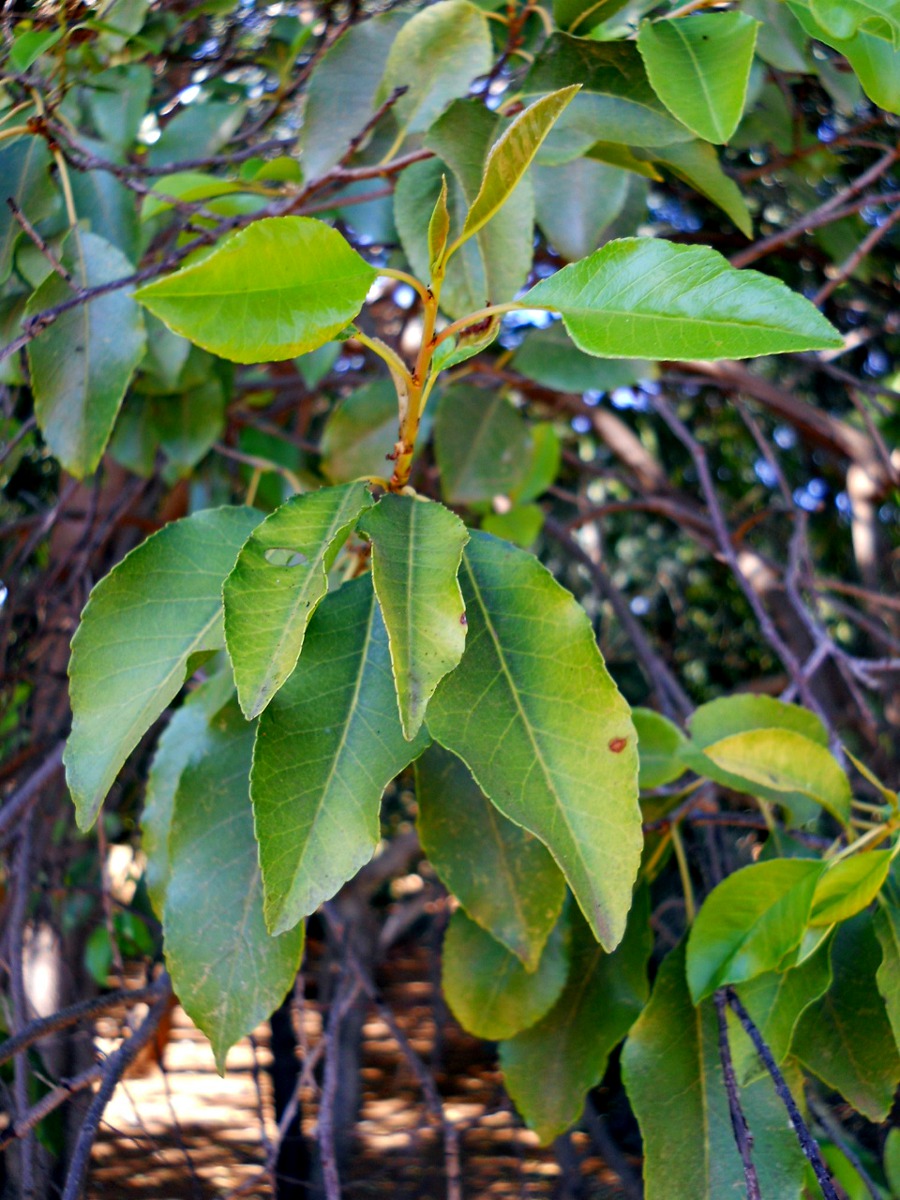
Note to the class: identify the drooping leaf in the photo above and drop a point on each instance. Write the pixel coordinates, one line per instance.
(488, 989)
(750, 922)
(700, 67)
(502, 875)
(280, 287)
(548, 357)
(326, 748)
(435, 56)
(846, 1038)
(550, 1068)
(25, 175)
(658, 744)
(848, 886)
(121, 679)
(278, 580)
(697, 164)
(340, 97)
(576, 201)
(82, 363)
(417, 547)
(228, 973)
(536, 717)
(512, 154)
(673, 1077)
(187, 738)
(482, 445)
(648, 297)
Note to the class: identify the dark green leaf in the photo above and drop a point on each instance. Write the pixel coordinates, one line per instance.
(659, 741)
(576, 201)
(482, 445)
(360, 432)
(548, 357)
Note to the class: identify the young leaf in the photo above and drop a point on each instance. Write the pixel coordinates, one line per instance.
(550, 1068)
(227, 971)
(280, 287)
(417, 547)
(488, 989)
(849, 886)
(845, 1038)
(535, 716)
(438, 229)
(326, 748)
(435, 56)
(278, 581)
(750, 922)
(658, 743)
(700, 68)
(186, 739)
(648, 297)
(120, 678)
(82, 364)
(502, 875)
(511, 156)
(673, 1076)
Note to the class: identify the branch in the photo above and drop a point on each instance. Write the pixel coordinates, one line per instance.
(743, 1138)
(21, 801)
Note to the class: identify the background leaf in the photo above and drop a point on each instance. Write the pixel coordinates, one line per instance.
(482, 445)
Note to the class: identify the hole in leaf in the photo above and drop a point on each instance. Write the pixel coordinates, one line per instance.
(283, 556)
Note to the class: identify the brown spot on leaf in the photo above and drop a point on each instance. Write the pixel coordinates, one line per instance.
(463, 620)
(617, 745)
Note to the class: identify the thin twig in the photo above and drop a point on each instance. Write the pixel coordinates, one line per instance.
(743, 1138)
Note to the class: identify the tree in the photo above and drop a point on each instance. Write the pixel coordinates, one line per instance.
(253, 255)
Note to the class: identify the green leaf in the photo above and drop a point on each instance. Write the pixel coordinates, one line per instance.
(438, 229)
(779, 763)
(887, 928)
(743, 712)
(360, 432)
(340, 97)
(417, 547)
(659, 741)
(276, 289)
(189, 425)
(892, 1161)
(875, 61)
(188, 186)
(520, 525)
(750, 922)
(776, 1001)
(502, 875)
(326, 748)
(488, 989)
(512, 155)
(105, 206)
(82, 364)
(435, 56)
(548, 357)
(482, 445)
(844, 18)
(846, 1038)
(673, 1077)
(280, 576)
(583, 15)
(550, 1068)
(186, 739)
(535, 716)
(28, 47)
(576, 201)
(616, 103)
(120, 678)
(197, 131)
(700, 68)
(649, 297)
(228, 973)
(697, 164)
(118, 102)
(848, 886)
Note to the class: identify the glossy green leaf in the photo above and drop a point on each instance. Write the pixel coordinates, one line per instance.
(326, 748)
(673, 1077)
(700, 67)
(340, 97)
(776, 1001)
(502, 875)
(548, 357)
(482, 445)
(187, 738)
(82, 364)
(280, 287)
(874, 60)
(512, 154)
(697, 164)
(120, 680)
(775, 762)
(576, 201)
(648, 297)
(228, 973)
(550, 1068)
(616, 103)
(436, 56)
(417, 547)
(745, 711)
(848, 886)
(659, 741)
(488, 989)
(846, 1038)
(750, 922)
(536, 717)
(845, 18)
(278, 580)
